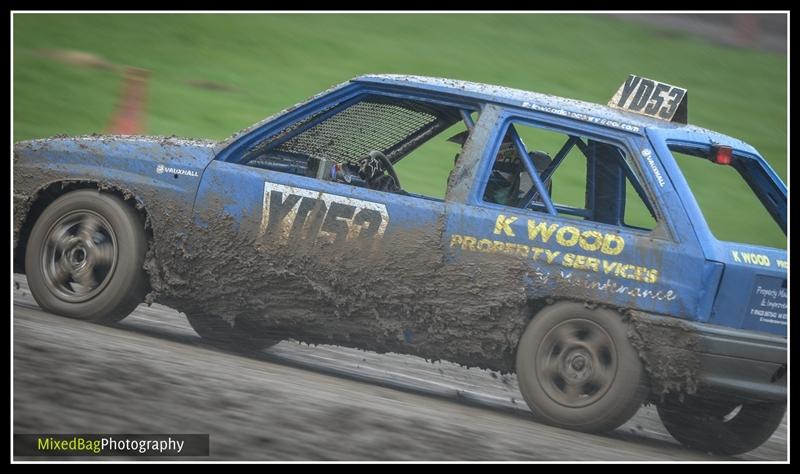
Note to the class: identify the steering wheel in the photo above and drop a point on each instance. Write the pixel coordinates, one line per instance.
(372, 167)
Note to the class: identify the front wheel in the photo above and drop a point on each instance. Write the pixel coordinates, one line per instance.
(229, 335)
(85, 255)
(577, 369)
(719, 427)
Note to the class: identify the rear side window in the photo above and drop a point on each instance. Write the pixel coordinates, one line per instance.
(731, 206)
(585, 178)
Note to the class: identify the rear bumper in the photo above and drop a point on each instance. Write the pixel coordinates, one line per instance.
(742, 364)
(713, 361)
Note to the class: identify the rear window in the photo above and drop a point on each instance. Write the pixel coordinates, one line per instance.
(737, 200)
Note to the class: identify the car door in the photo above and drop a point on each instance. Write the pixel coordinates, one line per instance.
(311, 258)
(591, 253)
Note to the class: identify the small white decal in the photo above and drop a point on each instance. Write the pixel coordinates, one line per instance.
(648, 156)
(161, 169)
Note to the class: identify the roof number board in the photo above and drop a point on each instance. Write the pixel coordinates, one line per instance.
(652, 98)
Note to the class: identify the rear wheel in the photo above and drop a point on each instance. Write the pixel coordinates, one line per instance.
(85, 255)
(227, 335)
(577, 369)
(720, 427)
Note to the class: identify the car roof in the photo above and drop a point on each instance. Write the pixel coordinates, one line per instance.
(526, 100)
(520, 99)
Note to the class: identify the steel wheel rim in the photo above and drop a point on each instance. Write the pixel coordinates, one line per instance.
(80, 256)
(576, 363)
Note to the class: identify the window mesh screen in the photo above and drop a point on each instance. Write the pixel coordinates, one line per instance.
(261, 147)
(360, 128)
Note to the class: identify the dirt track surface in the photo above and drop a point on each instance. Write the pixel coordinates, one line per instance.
(152, 374)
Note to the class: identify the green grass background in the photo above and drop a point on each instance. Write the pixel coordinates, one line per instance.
(275, 60)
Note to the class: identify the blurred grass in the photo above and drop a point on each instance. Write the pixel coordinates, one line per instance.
(274, 61)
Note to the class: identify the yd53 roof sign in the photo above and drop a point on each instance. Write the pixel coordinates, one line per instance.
(651, 98)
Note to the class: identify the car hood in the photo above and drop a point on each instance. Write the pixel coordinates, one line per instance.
(169, 152)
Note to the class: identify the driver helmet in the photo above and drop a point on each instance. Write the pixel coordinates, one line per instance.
(370, 167)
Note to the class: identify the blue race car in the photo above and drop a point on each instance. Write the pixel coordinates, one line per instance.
(300, 227)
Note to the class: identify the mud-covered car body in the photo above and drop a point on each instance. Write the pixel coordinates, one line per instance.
(301, 255)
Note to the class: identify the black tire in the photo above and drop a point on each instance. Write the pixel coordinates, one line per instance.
(222, 334)
(85, 257)
(577, 369)
(716, 427)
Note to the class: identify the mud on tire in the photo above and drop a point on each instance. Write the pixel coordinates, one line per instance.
(577, 369)
(84, 257)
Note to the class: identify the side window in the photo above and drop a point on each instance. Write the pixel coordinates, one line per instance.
(586, 179)
(426, 170)
(382, 143)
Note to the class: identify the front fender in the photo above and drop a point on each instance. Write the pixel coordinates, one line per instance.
(163, 174)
